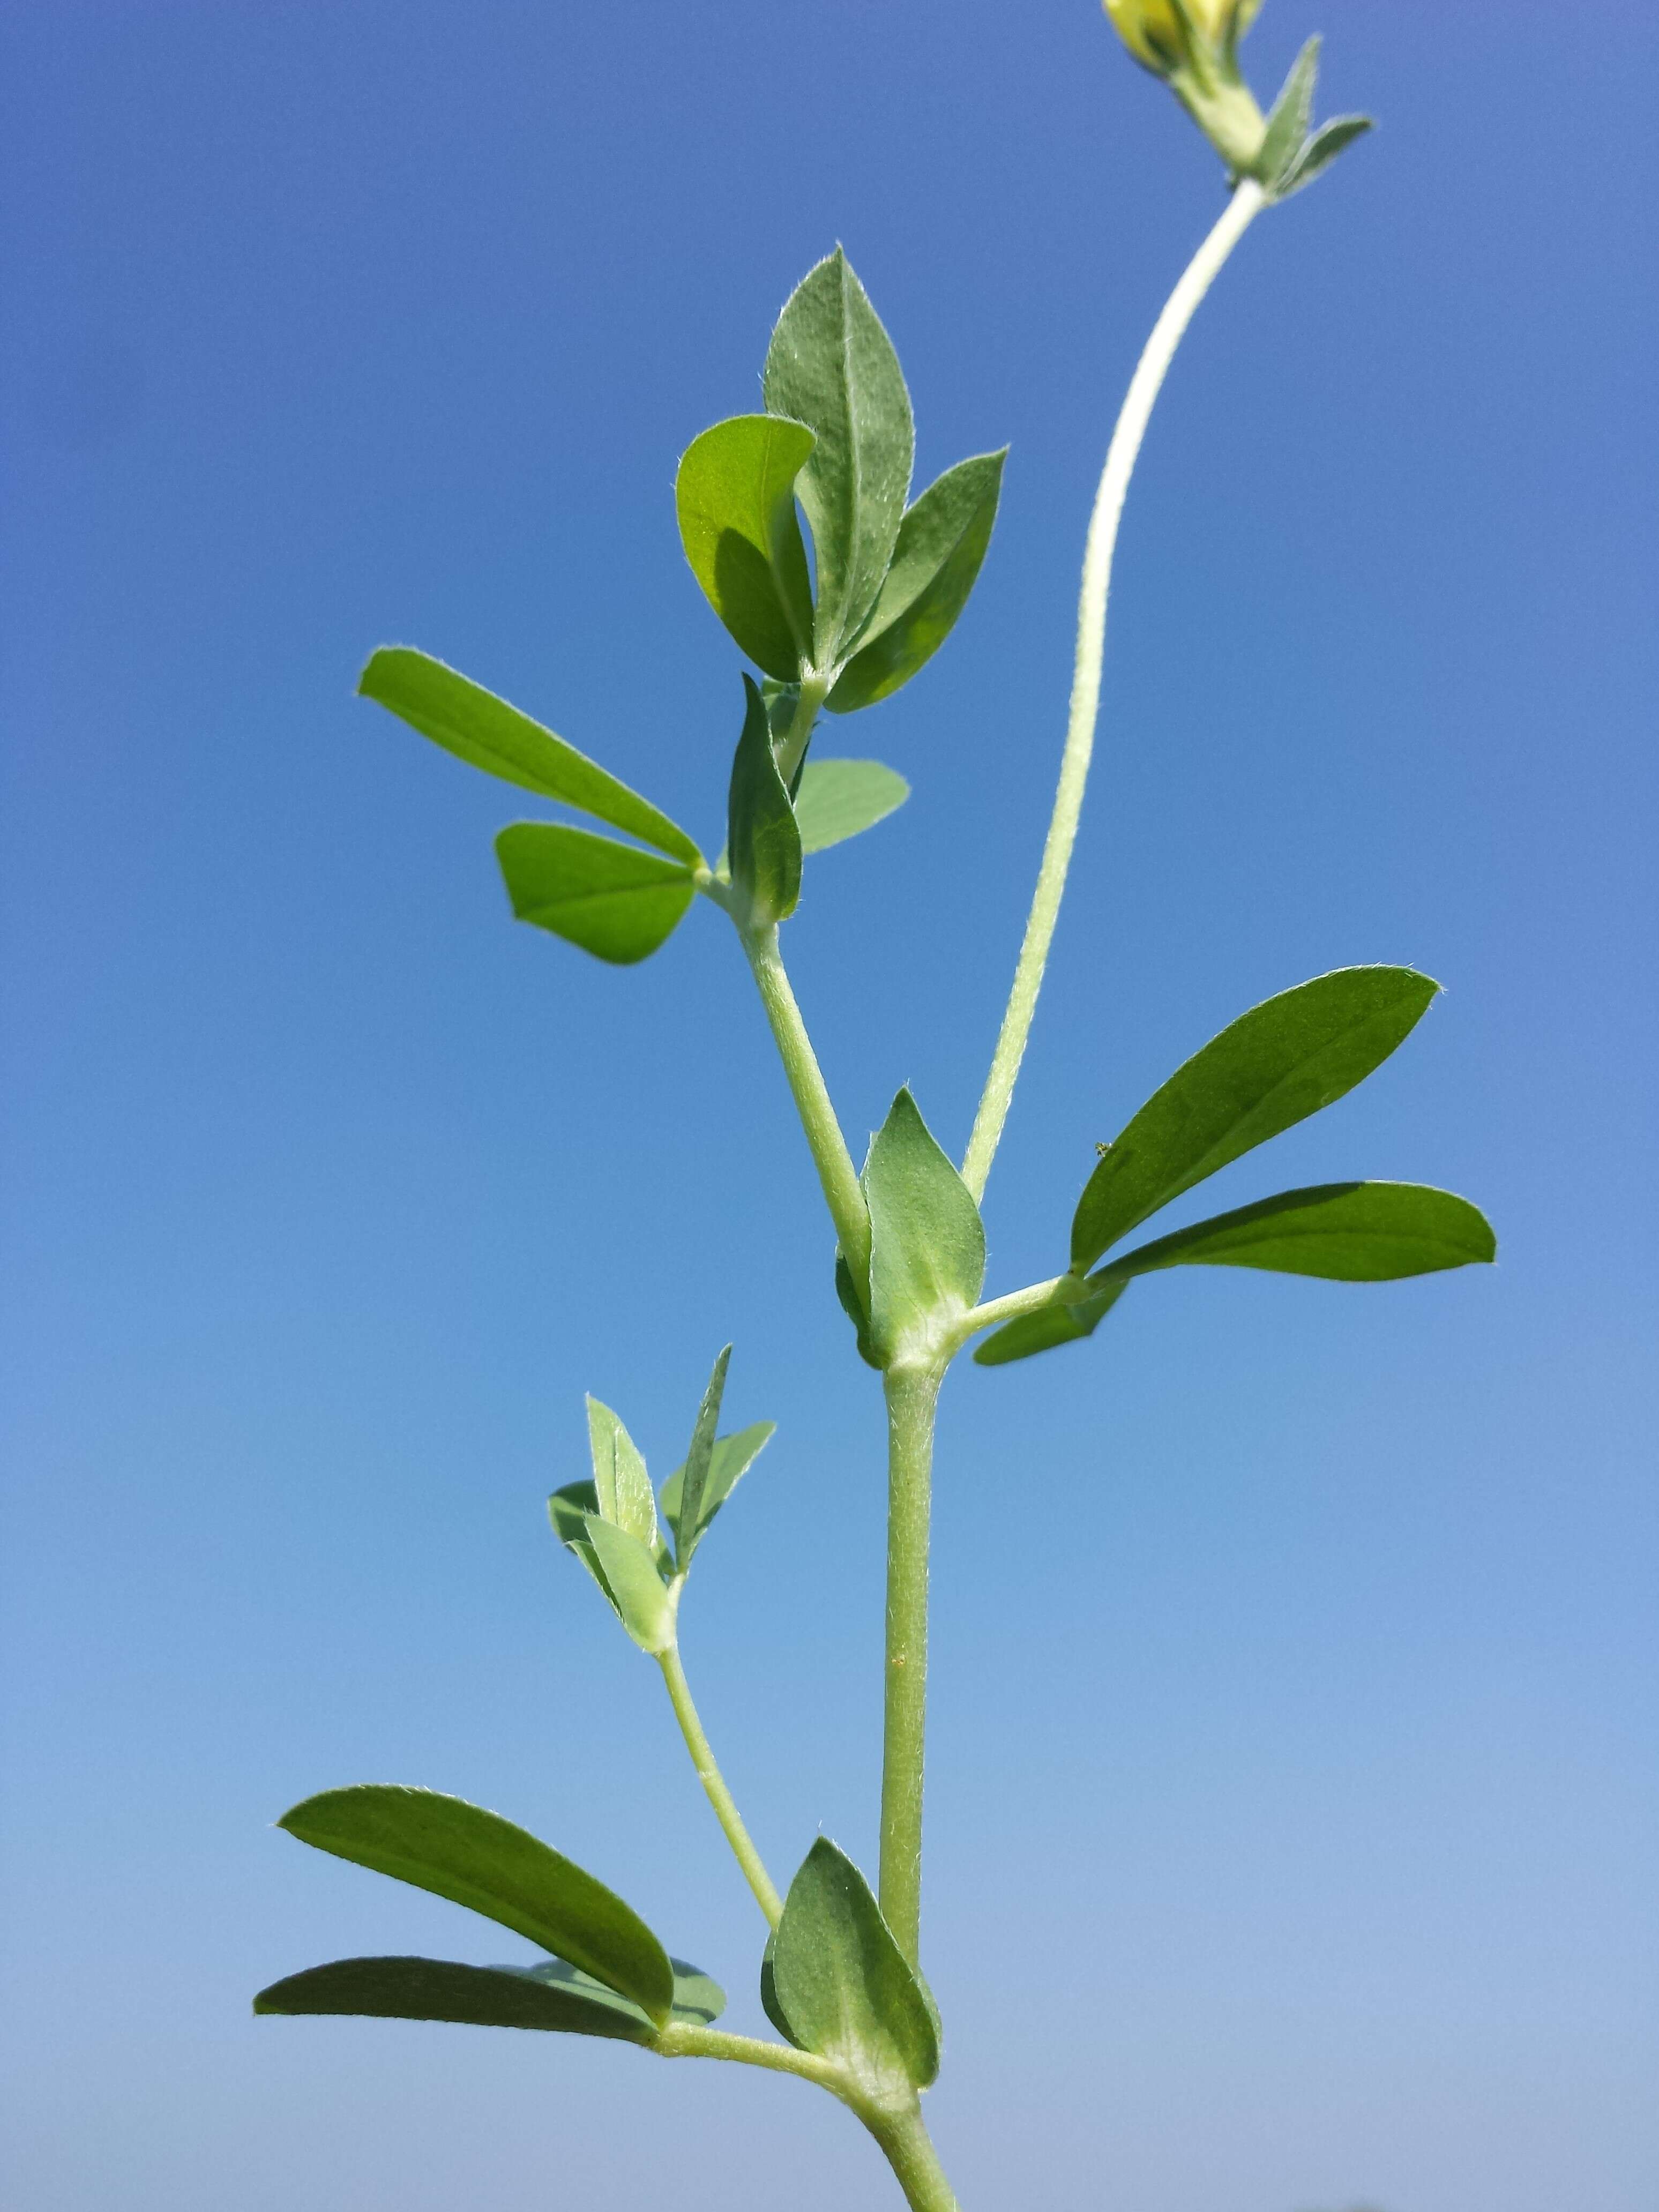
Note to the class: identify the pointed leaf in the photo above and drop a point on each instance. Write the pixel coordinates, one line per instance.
(569, 1510)
(839, 799)
(735, 494)
(477, 1859)
(936, 563)
(621, 1484)
(1287, 125)
(474, 1997)
(1049, 1326)
(1348, 1232)
(732, 1459)
(831, 366)
(1330, 139)
(839, 1980)
(928, 1243)
(478, 727)
(687, 1516)
(1273, 1066)
(763, 842)
(612, 900)
(636, 1585)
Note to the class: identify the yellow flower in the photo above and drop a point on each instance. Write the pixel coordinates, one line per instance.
(1156, 35)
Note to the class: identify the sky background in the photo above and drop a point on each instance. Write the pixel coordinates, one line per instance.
(1292, 1803)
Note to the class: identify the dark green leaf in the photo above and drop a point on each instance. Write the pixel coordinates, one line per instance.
(831, 366)
(477, 1859)
(840, 1982)
(732, 1458)
(940, 550)
(928, 1243)
(769, 1990)
(1330, 139)
(735, 494)
(763, 842)
(1273, 1066)
(621, 1487)
(1348, 1232)
(1049, 1326)
(687, 1516)
(634, 1582)
(477, 726)
(612, 900)
(1287, 125)
(474, 1997)
(853, 1306)
(571, 1509)
(838, 798)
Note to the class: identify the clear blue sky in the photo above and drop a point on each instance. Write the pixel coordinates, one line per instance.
(1293, 1803)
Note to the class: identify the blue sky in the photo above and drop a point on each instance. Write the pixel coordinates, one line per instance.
(1292, 1802)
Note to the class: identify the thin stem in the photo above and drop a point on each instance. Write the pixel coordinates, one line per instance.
(714, 1782)
(1247, 203)
(910, 2150)
(912, 1401)
(680, 2039)
(792, 746)
(830, 1156)
(1010, 1307)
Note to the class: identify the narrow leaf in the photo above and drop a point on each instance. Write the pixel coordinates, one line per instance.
(1330, 139)
(1271, 1068)
(840, 798)
(1348, 1232)
(1049, 1326)
(763, 842)
(477, 1859)
(621, 1484)
(841, 1983)
(732, 1459)
(474, 1997)
(612, 900)
(735, 494)
(831, 366)
(636, 1585)
(480, 728)
(687, 1517)
(1287, 125)
(927, 1242)
(936, 563)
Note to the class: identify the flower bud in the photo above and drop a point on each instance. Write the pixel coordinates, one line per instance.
(1194, 46)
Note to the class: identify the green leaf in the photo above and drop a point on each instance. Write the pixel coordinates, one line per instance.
(927, 1242)
(1348, 1232)
(476, 1996)
(735, 494)
(480, 728)
(1330, 139)
(612, 900)
(1049, 1326)
(621, 1486)
(941, 547)
(831, 366)
(841, 1983)
(839, 799)
(1271, 1068)
(763, 842)
(687, 1516)
(569, 1510)
(1287, 126)
(635, 1584)
(477, 1859)
(731, 1460)
(853, 1304)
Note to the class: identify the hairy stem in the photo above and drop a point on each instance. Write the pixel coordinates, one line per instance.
(714, 1782)
(680, 2039)
(1247, 203)
(791, 749)
(909, 2151)
(912, 1401)
(830, 1156)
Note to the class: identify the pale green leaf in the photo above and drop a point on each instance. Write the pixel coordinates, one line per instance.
(839, 799)
(1063, 1322)
(927, 1242)
(1330, 139)
(687, 1517)
(762, 841)
(731, 1460)
(841, 1985)
(735, 494)
(1288, 123)
(636, 1585)
(621, 1486)
(612, 900)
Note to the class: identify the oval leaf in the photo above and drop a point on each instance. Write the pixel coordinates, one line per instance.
(926, 1241)
(936, 563)
(1049, 1326)
(477, 1859)
(474, 1997)
(762, 841)
(621, 1487)
(735, 496)
(635, 1584)
(1348, 1232)
(831, 366)
(478, 727)
(613, 899)
(841, 1983)
(1273, 1066)
(840, 798)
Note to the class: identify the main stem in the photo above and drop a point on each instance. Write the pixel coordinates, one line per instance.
(714, 1782)
(1246, 204)
(912, 1399)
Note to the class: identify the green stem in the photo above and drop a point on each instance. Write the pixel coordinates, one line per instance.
(791, 748)
(1012, 1306)
(912, 1401)
(680, 2039)
(910, 2150)
(714, 1782)
(830, 1156)
(1247, 203)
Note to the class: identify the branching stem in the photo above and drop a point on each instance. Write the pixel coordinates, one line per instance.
(1247, 203)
